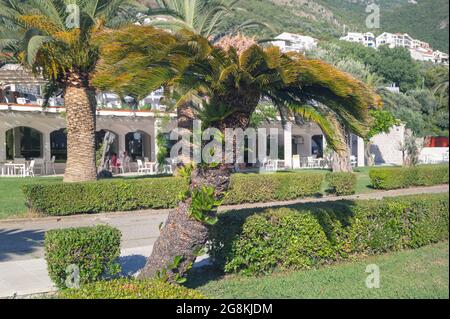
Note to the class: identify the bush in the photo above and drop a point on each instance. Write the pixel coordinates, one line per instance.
(254, 188)
(130, 289)
(342, 184)
(92, 249)
(404, 177)
(308, 235)
(62, 199)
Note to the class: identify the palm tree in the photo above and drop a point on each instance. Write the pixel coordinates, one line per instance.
(229, 87)
(202, 17)
(58, 43)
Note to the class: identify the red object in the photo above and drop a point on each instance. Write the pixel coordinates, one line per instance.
(440, 141)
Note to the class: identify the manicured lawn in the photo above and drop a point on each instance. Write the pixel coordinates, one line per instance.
(12, 203)
(420, 273)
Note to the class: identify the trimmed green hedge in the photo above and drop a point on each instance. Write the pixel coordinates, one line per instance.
(62, 199)
(403, 177)
(130, 289)
(309, 235)
(93, 250)
(342, 184)
(255, 188)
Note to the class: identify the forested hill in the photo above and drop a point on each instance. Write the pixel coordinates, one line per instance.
(427, 20)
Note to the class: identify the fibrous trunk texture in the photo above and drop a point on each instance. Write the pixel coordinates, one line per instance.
(80, 106)
(182, 235)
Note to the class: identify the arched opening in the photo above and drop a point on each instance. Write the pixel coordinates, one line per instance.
(317, 146)
(24, 142)
(138, 145)
(58, 143)
(100, 138)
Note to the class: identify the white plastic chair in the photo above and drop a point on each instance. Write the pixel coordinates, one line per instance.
(310, 162)
(296, 162)
(29, 171)
(141, 168)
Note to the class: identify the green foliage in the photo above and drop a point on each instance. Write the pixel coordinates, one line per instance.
(204, 204)
(424, 20)
(234, 82)
(130, 289)
(342, 183)
(126, 195)
(394, 65)
(404, 177)
(203, 17)
(93, 250)
(309, 235)
(254, 188)
(163, 150)
(104, 196)
(185, 171)
(383, 122)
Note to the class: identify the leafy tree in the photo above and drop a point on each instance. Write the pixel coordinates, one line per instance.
(383, 122)
(66, 55)
(394, 65)
(228, 88)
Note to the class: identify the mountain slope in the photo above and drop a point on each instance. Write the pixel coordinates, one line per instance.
(427, 20)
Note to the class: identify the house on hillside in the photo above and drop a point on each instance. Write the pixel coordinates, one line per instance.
(367, 39)
(290, 42)
(393, 40)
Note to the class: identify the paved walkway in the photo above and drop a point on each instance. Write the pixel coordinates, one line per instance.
(23, 269)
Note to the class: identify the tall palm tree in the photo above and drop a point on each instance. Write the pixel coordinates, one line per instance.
(203, 17)
(229, 86)
(55, 38)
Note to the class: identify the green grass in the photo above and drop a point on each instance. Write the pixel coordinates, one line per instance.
(420, 273)
(12, 201)
(12, 204)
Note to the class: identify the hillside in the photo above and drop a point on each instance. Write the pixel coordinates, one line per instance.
(427, 20)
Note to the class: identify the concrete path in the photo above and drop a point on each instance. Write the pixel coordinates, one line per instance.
(22, 267)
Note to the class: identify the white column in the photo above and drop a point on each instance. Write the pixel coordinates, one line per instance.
(46, 146)
(3, 145)
(361, 152)
(324, 145)
(308, 144)
(156, 128)
(288, 145)
(121, 142)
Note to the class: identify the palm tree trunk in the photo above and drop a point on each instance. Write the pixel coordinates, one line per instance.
(80, 106)
(182, 236)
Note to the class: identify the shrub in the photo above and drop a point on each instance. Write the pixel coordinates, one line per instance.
(130, 289)
(254, 188)
(308, 235)
(342, 184)
(404, 177)
(92, 249)
(62, 199)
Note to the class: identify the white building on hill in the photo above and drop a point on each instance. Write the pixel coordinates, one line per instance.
(420, 50)
(289, 42)
(367, 39)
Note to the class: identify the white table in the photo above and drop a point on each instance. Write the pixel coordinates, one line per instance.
(10, 169)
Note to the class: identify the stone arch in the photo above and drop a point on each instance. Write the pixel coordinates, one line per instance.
(24, 142)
